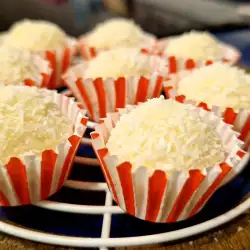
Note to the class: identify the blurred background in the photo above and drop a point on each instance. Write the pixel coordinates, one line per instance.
(160, 17)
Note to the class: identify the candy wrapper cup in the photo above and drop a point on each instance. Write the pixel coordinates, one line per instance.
(230, 55)
(41, 80)
(158, 195)
(239, 120)
(88, 51)
(102, 95)
(60, 61)
(31, 179)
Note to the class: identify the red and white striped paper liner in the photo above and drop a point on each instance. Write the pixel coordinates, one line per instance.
(88, 51)
(35, 178)
(100, 96)
(60, 61)
(156, 195)
(43, 78)
(240, 120)
(230, 55)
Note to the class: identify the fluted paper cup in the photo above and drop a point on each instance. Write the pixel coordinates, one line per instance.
(88, 51)
(102, 95)
(42, 79)
(240, 119)
(60, 61)
(158, 195)
(230, 54)
(31, 179)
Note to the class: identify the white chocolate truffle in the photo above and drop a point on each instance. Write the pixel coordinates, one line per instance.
(30, 122)
(195, 45)
(116, 32)
(18, 65)
(217, 84)
(36, 35)
(165, 134)
(119, 62)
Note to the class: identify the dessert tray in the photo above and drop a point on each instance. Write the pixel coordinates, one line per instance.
(83, 213)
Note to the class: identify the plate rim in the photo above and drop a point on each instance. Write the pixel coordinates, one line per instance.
(70, 241)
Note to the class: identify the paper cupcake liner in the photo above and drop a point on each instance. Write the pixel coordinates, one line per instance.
(240, 120)
(231, 55)
(43, 78)
(60, 61)
(36, 178)
(155, 194)
(102, 95)
(88, 51)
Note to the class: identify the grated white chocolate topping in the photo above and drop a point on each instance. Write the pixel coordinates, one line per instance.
(18, 65)
(196, 45)
(36, 35)
(119, 62)
(116, 32)
(217, 84)
(165, 134)
(30, 122)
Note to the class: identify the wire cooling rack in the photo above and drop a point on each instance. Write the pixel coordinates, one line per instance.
(106, 211)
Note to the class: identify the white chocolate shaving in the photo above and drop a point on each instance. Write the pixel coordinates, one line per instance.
(30, 122)
(165, 134)
(18, 65)
(119, 62)
(116, 32)
(218, 84)
(36, 35)
(195, 45)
